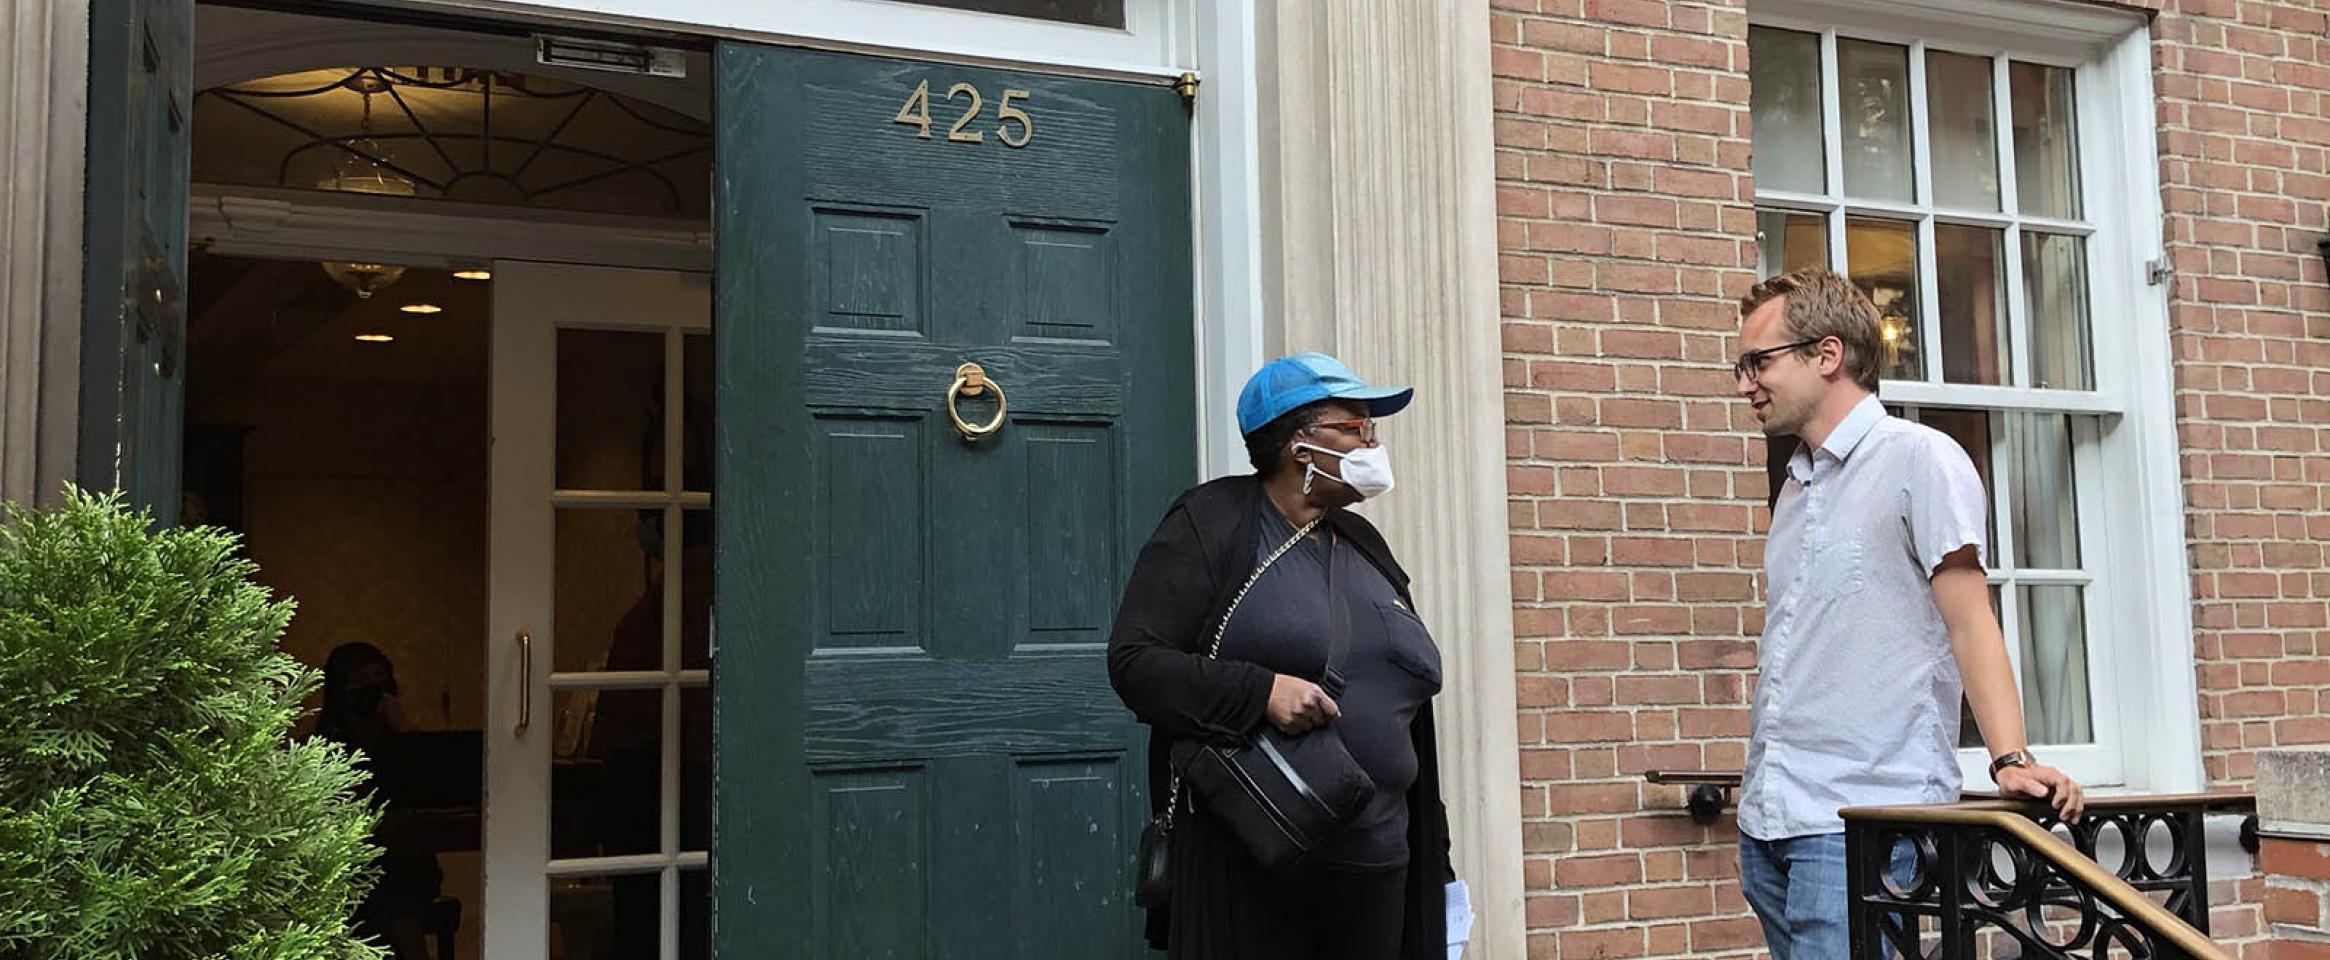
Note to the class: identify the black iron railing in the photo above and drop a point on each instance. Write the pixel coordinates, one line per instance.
(2130, 879)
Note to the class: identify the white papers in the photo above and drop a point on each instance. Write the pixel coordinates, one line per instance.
(1459, 900)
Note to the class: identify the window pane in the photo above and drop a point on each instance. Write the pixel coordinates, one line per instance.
(1881, 256)
(1972, 297)
(1784, 110)
(695, 914)
(1959, 118)
(610, 403)
(2055, 297)
(1873, 80)
(696, 418)
(606, 773)
(606, 590)
(1789, 241)
(1971, 428)
(2054, 645)
(2046, 505)
(607, 918)
(2046, 145)
(1969, 732)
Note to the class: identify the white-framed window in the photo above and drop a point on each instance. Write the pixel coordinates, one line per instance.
(1974, 179)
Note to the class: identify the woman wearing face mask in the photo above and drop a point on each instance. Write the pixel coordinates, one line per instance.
(1374, 890)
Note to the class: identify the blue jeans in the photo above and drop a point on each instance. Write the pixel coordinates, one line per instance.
(1797, 887)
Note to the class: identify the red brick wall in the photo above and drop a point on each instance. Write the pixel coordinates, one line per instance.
(1627, 231)
(1635, 482)
(2244, 113)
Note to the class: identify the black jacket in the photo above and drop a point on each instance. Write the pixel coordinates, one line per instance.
(1200, 555)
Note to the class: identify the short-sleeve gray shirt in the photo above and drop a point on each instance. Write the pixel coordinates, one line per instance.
(1857, 697)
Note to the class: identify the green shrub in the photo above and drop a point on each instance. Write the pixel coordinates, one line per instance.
(152, 804)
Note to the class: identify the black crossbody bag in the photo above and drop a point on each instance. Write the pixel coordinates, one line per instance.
(1282, 795)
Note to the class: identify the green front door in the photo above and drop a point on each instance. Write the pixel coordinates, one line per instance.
(133, 330)
(917, 750)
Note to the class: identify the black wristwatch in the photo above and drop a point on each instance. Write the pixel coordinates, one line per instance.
(2011, 758)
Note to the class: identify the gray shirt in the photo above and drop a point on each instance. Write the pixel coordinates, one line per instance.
(1390, 668)
(1857, 697)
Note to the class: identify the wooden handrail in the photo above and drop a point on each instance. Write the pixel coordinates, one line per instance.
(2014, 819)
(2218, 800)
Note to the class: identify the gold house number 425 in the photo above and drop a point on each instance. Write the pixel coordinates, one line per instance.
(915, 112)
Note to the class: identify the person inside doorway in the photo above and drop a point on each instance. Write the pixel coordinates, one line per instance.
(360, 711)
(1875, 575)
(1282, 539)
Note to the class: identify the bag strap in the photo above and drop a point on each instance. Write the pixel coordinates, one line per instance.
(1173, 796)
(1339, 627)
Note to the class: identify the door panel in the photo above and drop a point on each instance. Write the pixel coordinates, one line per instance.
(597, 726)
(918, 750)
(141, 75)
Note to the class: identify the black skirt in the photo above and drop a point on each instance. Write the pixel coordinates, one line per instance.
(1227, 907)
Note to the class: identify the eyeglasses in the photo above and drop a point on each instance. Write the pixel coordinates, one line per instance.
(1750, 365)
(1363, 427)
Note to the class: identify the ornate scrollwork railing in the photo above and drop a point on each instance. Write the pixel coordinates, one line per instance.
(1938, 881)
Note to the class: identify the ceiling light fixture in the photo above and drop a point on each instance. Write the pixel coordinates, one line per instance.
(360, 172)
(423, 308)
(374, 337)
(478, 274)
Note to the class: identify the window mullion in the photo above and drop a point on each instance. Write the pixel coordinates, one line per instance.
(2018, 320)
(1832, 150)
(1920, 140)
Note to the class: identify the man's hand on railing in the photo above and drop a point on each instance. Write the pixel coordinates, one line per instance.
(2044, 783)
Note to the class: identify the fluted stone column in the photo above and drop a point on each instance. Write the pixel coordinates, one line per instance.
(44, 50)
(1379, 245)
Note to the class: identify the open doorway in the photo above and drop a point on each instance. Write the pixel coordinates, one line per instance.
(448, 371)
(346, 440)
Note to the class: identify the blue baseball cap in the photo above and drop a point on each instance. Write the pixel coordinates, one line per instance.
(1289, 382)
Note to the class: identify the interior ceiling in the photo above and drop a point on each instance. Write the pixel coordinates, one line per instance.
(253, 320)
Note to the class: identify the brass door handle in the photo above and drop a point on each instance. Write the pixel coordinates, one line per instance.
(970, 381)
(525, 680)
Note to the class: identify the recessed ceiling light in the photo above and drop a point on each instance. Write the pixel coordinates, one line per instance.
(374, 337)
(473, 274)
(422, 308)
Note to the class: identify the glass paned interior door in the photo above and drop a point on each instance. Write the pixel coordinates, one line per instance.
(603, 382)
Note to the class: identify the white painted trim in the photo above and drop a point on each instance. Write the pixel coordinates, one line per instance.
(2054, 31)
(522, 393)
(2156, 566)
(1970, 395)
(314, 224)
(1226, 162)
(1151, 46)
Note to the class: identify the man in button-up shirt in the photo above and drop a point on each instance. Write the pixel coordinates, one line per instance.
(1877, 607)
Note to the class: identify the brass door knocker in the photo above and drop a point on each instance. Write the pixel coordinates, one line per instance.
(970, 381)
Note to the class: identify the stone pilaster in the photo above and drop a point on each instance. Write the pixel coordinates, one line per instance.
(44, 50)
(1379, 245)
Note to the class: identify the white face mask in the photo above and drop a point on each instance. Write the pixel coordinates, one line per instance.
(1367, 470)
